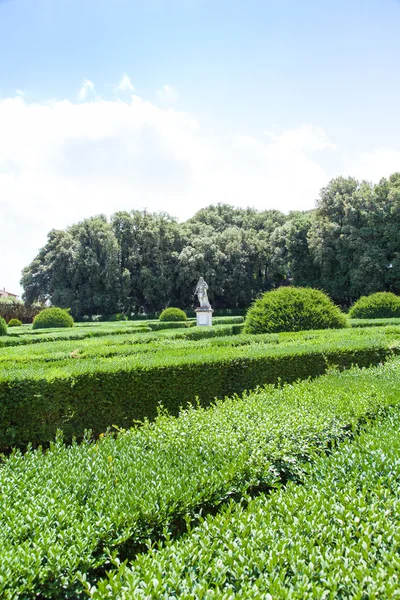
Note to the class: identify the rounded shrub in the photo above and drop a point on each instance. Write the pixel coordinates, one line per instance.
(382, 305)
(173, 314)
(3, 326)
(14, 323)
(52, 317)
(293, 309)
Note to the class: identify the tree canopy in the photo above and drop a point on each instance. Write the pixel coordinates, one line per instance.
(348, 246)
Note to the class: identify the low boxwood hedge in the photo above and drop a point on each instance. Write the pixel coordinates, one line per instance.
(336, 536)
(67, 510)
(74, 395)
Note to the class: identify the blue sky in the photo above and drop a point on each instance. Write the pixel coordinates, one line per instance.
(173, 105)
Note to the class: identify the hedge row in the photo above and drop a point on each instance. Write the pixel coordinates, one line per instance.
(21, 336)
(38, 398)
(122, 345)
(92, 500)
(338, 536)
(185, 339)
(374, 322)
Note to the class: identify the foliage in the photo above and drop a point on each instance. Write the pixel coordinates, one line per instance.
(382, 305)
(3, 327)
(293, 309)
(118, 317)
(52, 317)
(14, 323)
(339, 532)
(141, 261)
(354, 238)
(173, 314)
(90, 500)
(12, 308)
(76, 392)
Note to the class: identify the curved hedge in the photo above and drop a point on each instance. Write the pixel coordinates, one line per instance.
(52, 317)
(293, 309)
(382, 305)
(14, 323)
(3, 326)
(173, 314)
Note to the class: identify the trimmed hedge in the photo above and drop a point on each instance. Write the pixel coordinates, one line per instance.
(382, 305)
(160, 325)
(336, 536)
(74, 395)
(3, 326)
(52, 317)
(14, 323)
(293, 309)
(65, 511)
(173, 314)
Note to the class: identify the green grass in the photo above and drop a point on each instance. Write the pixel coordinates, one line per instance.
(336, 536)
(65, 511)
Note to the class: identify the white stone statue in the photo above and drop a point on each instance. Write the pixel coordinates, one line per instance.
(201, 291)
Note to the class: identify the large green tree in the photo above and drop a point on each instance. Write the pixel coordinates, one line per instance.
(348, 246)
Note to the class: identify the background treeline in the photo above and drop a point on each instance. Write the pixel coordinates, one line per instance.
(348, 246)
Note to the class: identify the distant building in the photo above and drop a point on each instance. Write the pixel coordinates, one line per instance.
(4, 294)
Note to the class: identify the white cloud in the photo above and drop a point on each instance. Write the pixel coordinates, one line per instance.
(376, 164)
(125, 85)
(87, 87)
(167, 93)
(19, 93)
(63, 161)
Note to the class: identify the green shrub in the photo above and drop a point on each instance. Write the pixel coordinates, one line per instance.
(173, 314)
(3, 326)
(293, 309)
(119, 317)
(52, 317)
(336, 536)
(92, 500)
(382, 305)
(14, 323)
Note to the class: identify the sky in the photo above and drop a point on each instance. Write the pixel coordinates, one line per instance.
(173, 105)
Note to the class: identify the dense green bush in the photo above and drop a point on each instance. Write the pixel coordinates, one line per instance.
(382, 305)
(293, 309)
(14, 323)
(336, 536)
(92, 500)
(3, 326)
(92, 394)
(52, 317)
(173, 314)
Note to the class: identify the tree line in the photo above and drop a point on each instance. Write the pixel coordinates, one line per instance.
(348, 246)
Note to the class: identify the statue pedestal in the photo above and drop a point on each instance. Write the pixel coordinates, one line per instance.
(204, 316)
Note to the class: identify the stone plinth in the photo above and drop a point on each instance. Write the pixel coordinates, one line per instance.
(204, 317)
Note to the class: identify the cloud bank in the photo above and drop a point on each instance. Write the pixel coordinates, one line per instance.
(62, 161)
